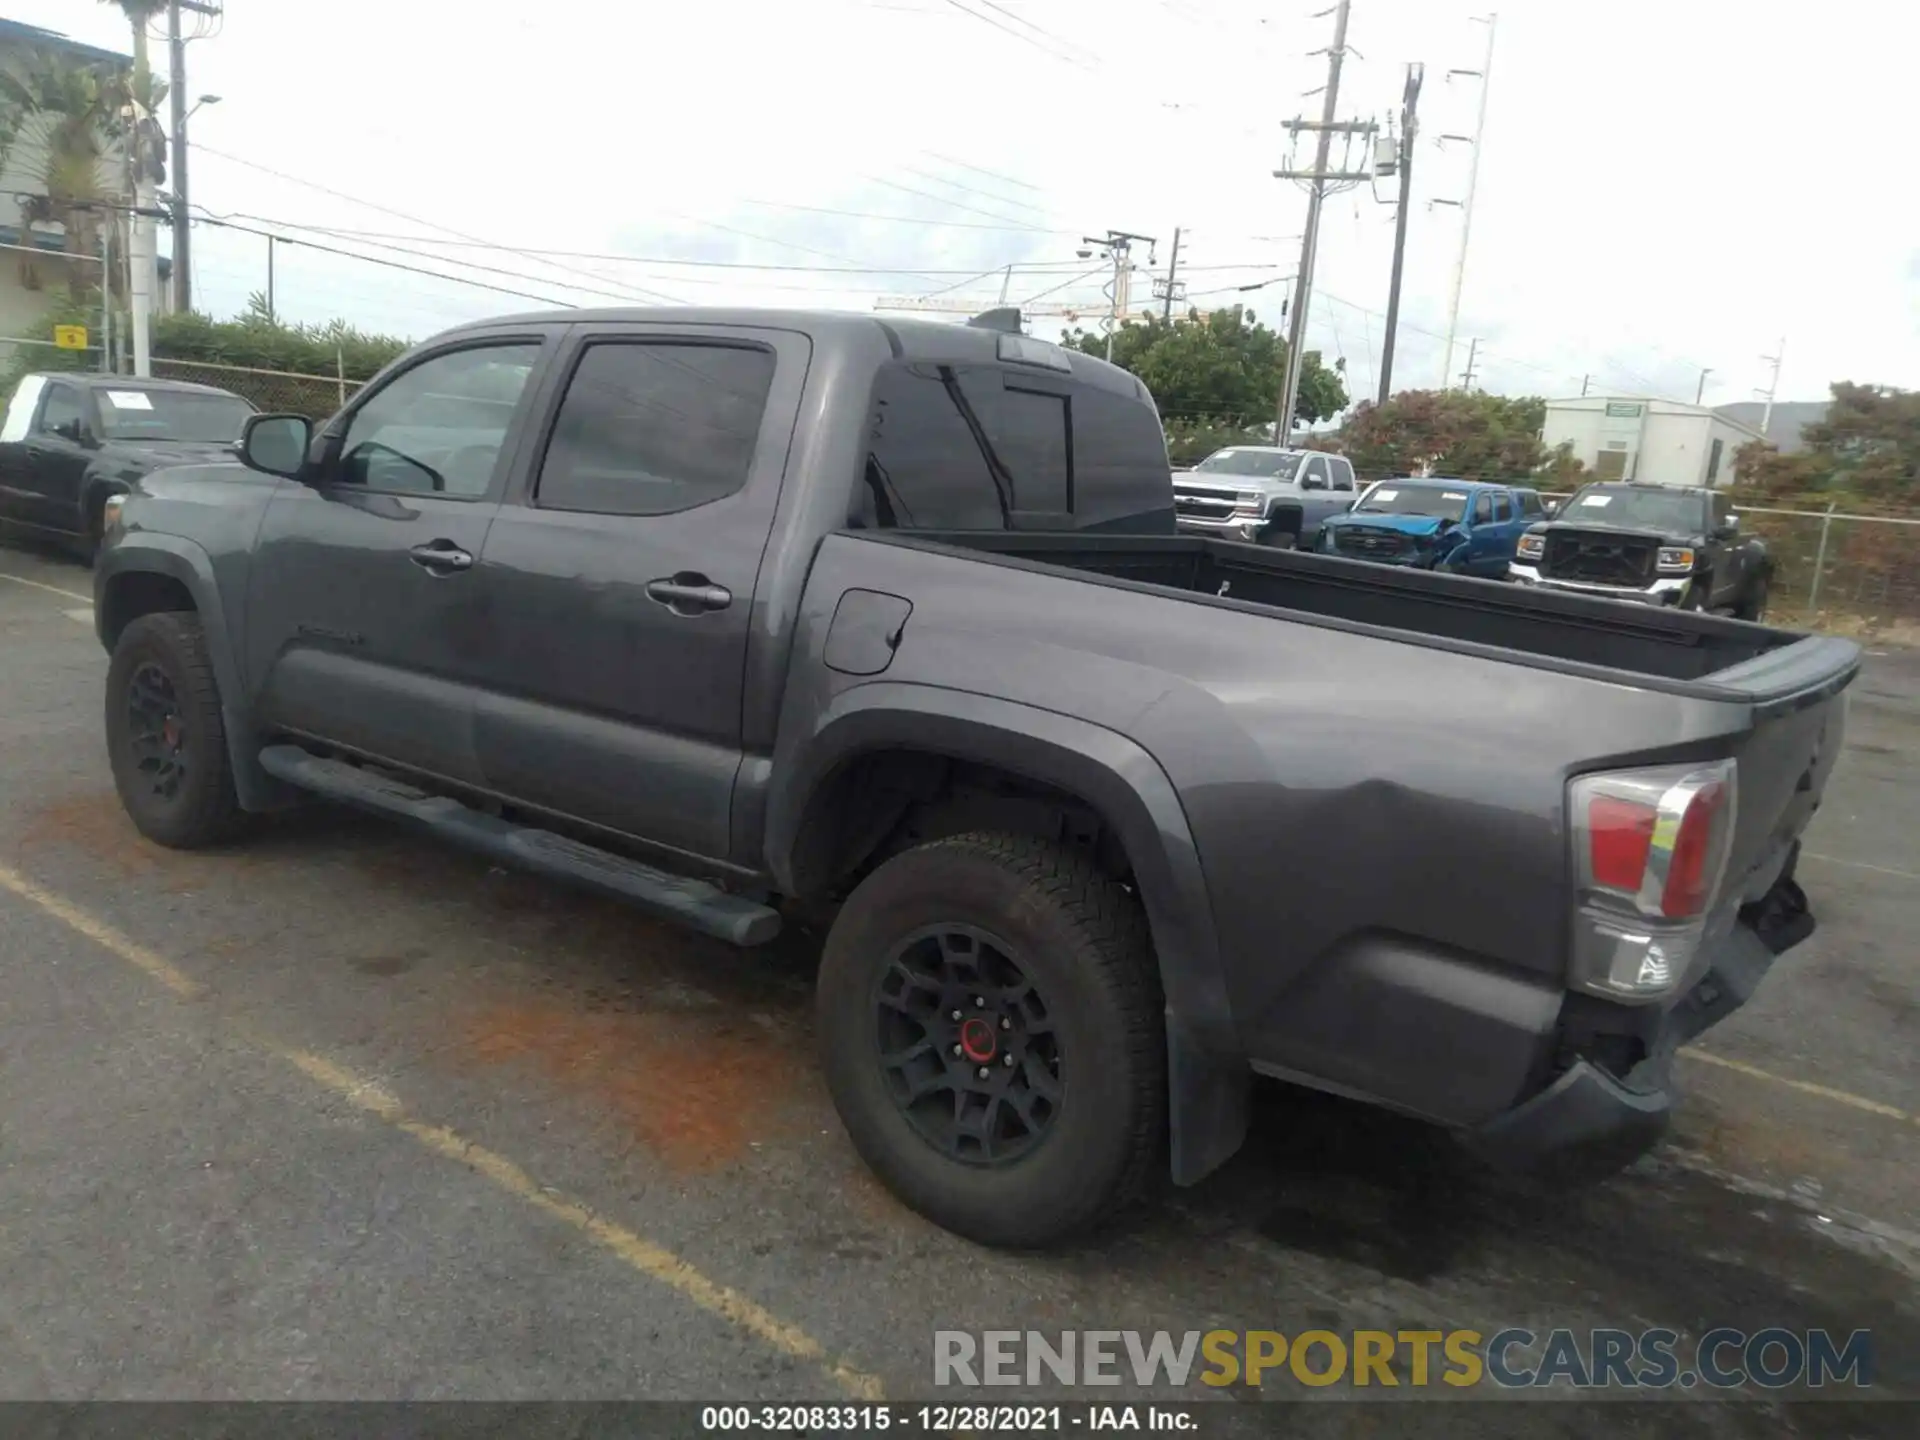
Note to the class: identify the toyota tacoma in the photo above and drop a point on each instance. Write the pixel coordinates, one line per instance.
(723, 610)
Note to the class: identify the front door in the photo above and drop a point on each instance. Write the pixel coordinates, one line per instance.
(53, 460)
(621, 585)
(365, 624)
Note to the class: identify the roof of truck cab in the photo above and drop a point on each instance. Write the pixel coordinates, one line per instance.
(926, 340)
(94, 380)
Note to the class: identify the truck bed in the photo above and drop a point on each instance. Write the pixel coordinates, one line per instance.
(1696, 654)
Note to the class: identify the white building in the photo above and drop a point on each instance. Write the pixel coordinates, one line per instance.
(1635, 437)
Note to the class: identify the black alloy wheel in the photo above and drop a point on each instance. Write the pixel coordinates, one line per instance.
(157, 731)
(967, 1045)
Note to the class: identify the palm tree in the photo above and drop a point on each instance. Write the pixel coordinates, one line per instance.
(71, 111)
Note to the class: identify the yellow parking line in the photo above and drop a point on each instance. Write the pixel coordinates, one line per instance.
(102, 934)
(50, 589)
(654, 1261)
(1805, 1087)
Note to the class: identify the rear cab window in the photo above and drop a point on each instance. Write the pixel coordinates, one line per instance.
(1005, 447)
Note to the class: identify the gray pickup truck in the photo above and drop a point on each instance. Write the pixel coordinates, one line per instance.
(719, 610)
(1263, 494)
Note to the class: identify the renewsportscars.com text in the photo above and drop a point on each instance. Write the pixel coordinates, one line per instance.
(1512, 1358)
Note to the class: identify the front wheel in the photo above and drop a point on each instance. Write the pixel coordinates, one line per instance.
(990, 1028)
(1754, 607)
(166, 739)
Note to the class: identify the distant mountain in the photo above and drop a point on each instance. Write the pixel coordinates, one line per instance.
(1789, 418)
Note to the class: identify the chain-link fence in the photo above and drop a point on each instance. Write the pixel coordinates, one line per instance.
(315, 396)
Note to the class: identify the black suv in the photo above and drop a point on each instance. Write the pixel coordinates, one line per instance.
(1659, 544)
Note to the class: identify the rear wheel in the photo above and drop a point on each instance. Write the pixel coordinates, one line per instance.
(166, 739)
(989, 1018)
(1754, 607)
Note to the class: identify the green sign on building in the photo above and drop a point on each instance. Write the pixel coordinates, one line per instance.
(1623, 410)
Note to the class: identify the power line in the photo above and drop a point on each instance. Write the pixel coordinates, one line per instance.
(1032, 266)
(990, 174)
(943, 200)
(399, 214)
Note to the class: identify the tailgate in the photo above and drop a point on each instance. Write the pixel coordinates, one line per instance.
(1798, 713)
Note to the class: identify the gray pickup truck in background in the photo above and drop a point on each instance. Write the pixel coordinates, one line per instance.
(714, 609)
(1264, 494)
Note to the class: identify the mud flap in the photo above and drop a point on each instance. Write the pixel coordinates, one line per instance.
(1207, 1106)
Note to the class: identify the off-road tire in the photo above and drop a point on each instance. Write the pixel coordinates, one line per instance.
(204, 810)
(1083, 941)
(1754, 607)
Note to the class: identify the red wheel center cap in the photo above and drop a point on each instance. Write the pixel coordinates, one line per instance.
(978, 1041)
(170, 733)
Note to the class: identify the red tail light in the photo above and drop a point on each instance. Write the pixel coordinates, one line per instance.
(1692, 872)
(1619, 833)
(1657, 838)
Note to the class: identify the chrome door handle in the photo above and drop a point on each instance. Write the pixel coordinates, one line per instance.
(442, 557)
(689, 594)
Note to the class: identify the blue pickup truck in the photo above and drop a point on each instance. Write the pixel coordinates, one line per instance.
(1464, 527)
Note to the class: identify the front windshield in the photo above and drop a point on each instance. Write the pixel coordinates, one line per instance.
(183, 415)
(1389, 498)
(1271, 464)
(1668, 512)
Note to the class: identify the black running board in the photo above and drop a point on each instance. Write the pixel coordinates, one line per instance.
(695, 903)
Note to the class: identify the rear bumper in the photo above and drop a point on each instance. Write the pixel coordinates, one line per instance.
(1588, 1122)
(1668, 590)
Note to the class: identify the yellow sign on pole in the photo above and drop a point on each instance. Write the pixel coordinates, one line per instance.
(70, 337)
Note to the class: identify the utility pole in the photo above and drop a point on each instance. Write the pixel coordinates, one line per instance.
(1473, 353)
(1485, 74)
(140, 252)
(1173, 279)
(269, 277)
(1117, 246)
(1700, 390)
(177, 93)
(1318, 180)
(1773, 385)
(1584, 379)
(1409, 129)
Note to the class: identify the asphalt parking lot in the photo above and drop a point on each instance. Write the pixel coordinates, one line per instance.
(339, 1113)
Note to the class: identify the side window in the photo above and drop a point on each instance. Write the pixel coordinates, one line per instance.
(1314, 477)
(925, 468)
(651, 428)
(1482, 508)
(1502, 509)
(438, 427)
(62, 408)
(1342, 474)
(1722, 506)
(1530, 505)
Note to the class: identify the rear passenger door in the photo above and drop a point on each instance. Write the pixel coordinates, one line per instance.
(620, 578)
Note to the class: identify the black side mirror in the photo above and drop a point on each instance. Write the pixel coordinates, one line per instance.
(276, 444)
(1728, 528)
(1552, 508)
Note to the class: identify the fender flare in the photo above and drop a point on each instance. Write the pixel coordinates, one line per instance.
(151, 553)
(1208, 1074)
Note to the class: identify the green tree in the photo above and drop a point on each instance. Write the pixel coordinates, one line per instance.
(72, 112)
(1223, 368)
(1866, 451)
(1454, 432)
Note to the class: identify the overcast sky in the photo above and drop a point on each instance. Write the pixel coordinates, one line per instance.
(1663, 186)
